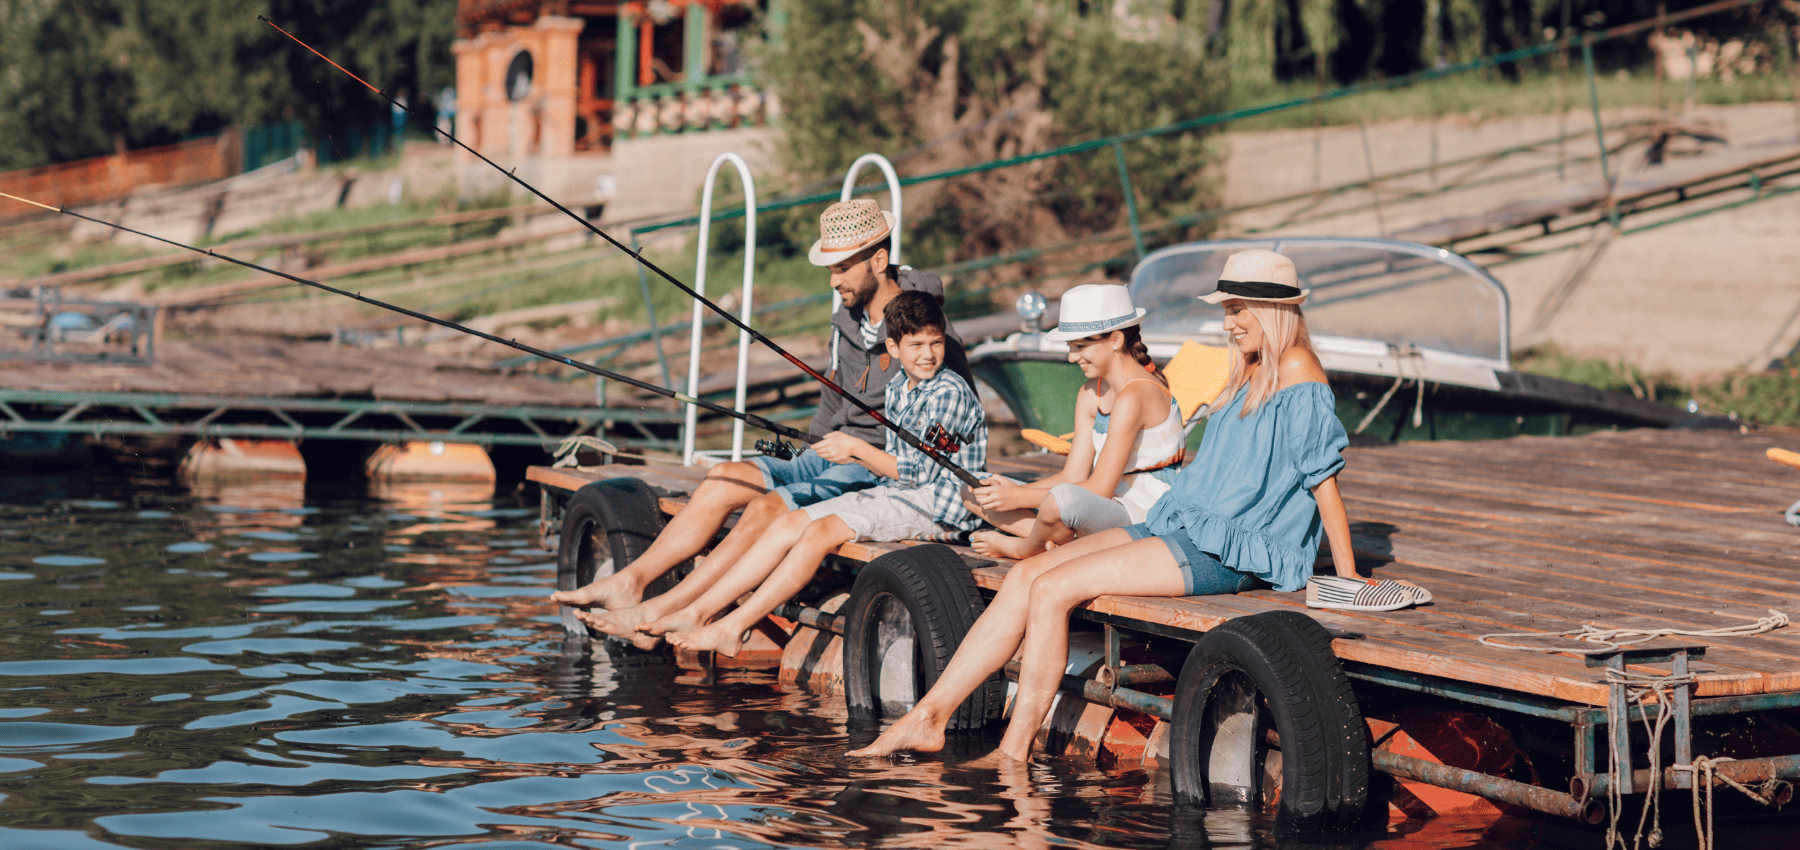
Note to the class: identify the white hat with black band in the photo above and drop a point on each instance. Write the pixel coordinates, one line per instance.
(1258, 275)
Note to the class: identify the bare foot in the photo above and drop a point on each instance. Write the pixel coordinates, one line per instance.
(718, 637)
(910, 734)
(601, 621)
(996, 760)
(618, 590)
(675, 621)
(999, 544)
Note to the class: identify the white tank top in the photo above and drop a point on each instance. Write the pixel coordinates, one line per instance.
(1155, 447)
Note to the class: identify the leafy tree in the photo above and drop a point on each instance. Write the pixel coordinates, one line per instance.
(954, 83)
(87, 77)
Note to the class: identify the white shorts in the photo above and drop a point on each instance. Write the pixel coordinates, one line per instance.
(884, 513)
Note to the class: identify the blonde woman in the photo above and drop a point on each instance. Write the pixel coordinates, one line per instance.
(1248, 512)
(1128, 439)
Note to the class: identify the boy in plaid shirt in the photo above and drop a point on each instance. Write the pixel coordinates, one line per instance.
(914, 498)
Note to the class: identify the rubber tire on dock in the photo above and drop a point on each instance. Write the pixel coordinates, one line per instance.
(1271, 670)
(924, 596)
(606, 524)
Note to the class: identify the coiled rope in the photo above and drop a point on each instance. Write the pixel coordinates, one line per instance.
(1612, 640)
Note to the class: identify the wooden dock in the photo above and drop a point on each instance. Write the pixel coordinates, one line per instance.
(1648, 528)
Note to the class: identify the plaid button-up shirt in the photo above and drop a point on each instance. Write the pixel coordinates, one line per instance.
(945, 399)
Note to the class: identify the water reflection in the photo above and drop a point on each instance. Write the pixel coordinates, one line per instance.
(267, 666)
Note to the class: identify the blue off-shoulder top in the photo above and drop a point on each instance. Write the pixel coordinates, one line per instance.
(1247, 497)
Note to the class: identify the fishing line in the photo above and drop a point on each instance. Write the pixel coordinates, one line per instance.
(749, 418)
(906, 436)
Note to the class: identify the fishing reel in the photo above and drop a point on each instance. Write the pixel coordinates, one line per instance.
(777, 448)
(943, 440)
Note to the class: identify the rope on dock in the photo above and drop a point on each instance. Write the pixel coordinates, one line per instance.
(1612, 640)
(1640, 685)
(566, 452)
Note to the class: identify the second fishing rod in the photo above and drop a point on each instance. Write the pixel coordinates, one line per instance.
(905, 435)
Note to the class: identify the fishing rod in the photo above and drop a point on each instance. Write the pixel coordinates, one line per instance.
(752, 419)
(908, 437)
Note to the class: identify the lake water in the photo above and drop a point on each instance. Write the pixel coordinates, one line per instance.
(260, 666)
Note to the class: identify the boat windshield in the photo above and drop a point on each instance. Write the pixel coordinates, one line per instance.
(1373, 289)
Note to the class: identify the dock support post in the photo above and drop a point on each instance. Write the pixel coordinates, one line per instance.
(1618, 722)
(1684, 720)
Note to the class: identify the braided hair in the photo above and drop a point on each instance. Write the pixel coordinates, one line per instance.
(1135, 347)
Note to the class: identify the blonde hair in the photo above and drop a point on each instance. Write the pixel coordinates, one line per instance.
(1283, 327)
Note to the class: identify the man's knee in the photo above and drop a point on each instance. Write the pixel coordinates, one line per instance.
(791, 524)
(764, 509)
(734, 484)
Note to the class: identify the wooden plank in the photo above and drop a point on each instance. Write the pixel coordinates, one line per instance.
(1642, 531)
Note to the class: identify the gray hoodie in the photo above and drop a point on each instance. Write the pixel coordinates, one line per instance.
(866, 371)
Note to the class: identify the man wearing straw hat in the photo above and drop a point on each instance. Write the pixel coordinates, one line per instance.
(854, 245)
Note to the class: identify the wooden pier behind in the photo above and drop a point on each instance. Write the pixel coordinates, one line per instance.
(1645, 529)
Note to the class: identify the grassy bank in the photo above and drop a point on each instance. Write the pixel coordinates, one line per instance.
(1758, 398)
(1484, 95)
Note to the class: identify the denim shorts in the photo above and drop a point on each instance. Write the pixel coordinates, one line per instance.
(809, 479)
(1201, 572)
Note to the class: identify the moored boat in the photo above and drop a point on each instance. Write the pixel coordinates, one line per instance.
(1416, 340)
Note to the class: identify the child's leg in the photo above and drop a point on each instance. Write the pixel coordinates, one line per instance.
(728, 486)
(758, 516)
(739, 578)
(819, 538)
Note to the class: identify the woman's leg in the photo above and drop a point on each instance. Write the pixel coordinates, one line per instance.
(741, 578)
(796, 570)
(990, 643)
(1140, 568)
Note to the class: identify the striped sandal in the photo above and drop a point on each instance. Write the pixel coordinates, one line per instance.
(1355, 594)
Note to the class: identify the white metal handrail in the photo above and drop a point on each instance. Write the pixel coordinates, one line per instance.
(743, 364)
(893, 181)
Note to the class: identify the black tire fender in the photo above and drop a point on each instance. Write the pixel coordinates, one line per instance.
(606, 525)
(1348, 781)
(924, 596)
(1261, 672)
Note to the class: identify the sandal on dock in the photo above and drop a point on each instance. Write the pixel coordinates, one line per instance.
(1355, 594)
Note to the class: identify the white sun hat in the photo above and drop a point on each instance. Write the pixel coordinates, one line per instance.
(1094, 308)
(847, 227)
(1258, 275)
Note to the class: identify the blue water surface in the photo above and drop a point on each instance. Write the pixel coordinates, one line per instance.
(170, 679)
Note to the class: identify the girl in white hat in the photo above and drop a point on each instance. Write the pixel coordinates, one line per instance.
(1248, 512)
(1128, 439)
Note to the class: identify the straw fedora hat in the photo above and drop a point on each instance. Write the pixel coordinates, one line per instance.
(1258, 275)
(1094, 308)
(847, 227)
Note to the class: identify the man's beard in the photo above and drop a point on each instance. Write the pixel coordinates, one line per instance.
(859, 299)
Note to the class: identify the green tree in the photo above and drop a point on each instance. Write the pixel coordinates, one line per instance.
(954, 83)
(88, 77)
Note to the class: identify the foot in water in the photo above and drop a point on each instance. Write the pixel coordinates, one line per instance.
(613, 591)
(999, 544)
(995, 760)
(602, 621)
(909, 734)
(717, 637)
